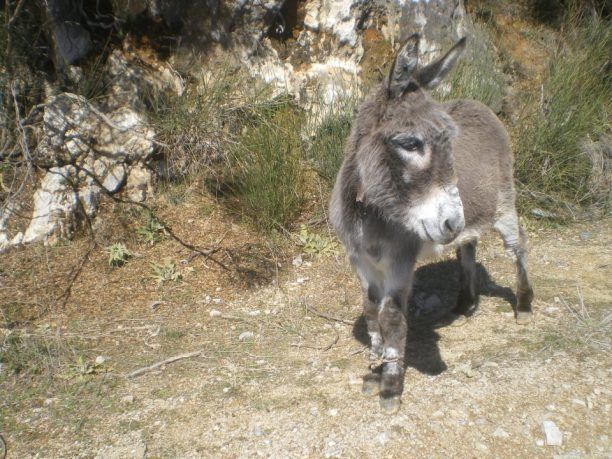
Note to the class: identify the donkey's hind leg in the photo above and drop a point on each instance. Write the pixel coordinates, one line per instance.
(467, 300)
(371, 381)
(515, 242)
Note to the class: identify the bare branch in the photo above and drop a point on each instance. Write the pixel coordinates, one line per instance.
(328, 317)
(15, 14)
(156, 365)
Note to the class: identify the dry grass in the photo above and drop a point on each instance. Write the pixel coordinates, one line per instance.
(572, 107)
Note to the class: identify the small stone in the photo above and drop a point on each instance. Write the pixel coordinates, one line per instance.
(301, 280)
(226, 390)
(467, 370)
(100, 360)
(383, 438)
(127, 399)
(557, 299)
(216, 300)
(490, 365)
(297, 261)
(577, 401)
(333, 412)
(554, 437)
(245, 335)
(50, 401)
(551, 407)
(153, 305)
(539, 442)
(481, 447)
(585, 235)
(257, 431)
(254, 313)
(500, 433)
(218, 289)
(214, 313)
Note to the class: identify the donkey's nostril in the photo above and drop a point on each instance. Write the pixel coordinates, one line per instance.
(448, 225)
(453, 225)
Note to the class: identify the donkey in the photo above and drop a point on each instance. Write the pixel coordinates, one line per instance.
(419, 176)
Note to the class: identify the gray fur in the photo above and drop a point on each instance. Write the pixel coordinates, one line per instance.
(419, 176)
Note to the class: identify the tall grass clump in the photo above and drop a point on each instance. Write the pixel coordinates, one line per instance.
(572, 107)
(195, 128)
(478, 74)
(329, 128)
(268, 178)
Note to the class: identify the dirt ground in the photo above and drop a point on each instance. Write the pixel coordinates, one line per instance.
(274, 378)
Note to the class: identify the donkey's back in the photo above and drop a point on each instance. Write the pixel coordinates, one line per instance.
(483, 163)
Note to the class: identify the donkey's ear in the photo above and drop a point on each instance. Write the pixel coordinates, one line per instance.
(403, 66)
(430, 75)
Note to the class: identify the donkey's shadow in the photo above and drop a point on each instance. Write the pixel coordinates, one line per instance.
(435, 291)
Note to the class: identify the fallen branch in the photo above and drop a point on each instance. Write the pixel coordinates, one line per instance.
(328, 317)
(360, 350)
(75, 274)
(318, 348)
(206, 253)
(144, 370)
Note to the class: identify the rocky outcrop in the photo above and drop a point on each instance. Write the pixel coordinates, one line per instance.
(90, 153)
(88, 150)
(312, 49)
(69, 39)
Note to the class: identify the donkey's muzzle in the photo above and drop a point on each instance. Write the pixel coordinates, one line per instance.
(454, 225)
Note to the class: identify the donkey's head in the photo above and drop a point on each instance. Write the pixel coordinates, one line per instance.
(405, 149)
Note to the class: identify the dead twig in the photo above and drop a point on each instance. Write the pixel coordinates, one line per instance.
(143, 370)
(75, 274)
(15, 14)
(207, 253)
(359, 351)
(319, 348)
(328, 317)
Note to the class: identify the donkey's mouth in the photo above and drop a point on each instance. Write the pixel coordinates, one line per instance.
(427, 232)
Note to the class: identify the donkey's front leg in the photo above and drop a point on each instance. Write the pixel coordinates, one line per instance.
(371, 381)
(393, 326)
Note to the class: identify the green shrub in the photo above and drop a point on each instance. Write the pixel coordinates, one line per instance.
(316, 244)
(268, 178)
(152, 231)
(166, 272)
(331, 128)
(118, 254)
(196, 128)
(572, 107)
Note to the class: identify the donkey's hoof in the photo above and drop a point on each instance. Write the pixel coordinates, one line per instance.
(458, 320)
(390, 405)
(371, 385)
(524, 317)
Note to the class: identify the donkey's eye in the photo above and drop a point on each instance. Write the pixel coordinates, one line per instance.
(407, 142)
